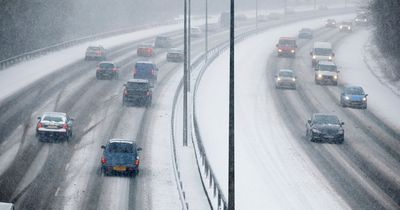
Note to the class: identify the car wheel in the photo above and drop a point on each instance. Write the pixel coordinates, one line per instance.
(340, 141)
(123, 101)
(97, 77)
(335, 83)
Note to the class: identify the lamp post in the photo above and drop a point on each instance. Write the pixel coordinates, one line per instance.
(256, 15)
(231, 153)
(206, 34)
(185, 69)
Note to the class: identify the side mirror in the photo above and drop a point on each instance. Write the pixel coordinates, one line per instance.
(309, 121)
(276, 76)
(366, 95)
(139, 149)
(338, 71)
(342, 123)
(333, 54)
(103, 147)
(39, 118)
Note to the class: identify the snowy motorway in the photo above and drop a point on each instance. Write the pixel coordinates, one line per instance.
(277, 167)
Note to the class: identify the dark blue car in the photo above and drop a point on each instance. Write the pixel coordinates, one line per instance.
(353, 96)
(120, 156)
(146, 70)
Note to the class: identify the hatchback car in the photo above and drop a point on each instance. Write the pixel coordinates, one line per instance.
(305, 33)
(145, 50)
(325, 127)
(120, 156)
(95, 53)
(285, 79)
(107, 69)
(54, 125)
(175, 55)
(146, 70)
(331, 23)
(137, 91)
(353, 96)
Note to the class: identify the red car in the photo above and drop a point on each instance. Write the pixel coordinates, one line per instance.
(286, 46)
(145, 50)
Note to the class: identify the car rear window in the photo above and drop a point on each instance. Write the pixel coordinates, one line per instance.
(120, 148)
(144, 66)
(289, 42)
(325, 119)
(137, 86)
(53, 118)
(106, 65)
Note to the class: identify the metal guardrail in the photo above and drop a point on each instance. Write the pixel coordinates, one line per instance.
(44, 51)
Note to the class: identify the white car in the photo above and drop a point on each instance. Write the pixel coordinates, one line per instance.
(285, 79)
(326, 72)
(54, 125)
(346, 26)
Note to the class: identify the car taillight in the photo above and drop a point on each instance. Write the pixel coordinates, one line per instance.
(98, 69)
(114, 69)
(147, 93)
(125, 91)
(153, 72)
(39, 125)
(65, 126)
(137, 162)
(98, 52)
(103, 160)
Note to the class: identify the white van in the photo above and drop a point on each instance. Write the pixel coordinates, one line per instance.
(322, 51)
(326, 72)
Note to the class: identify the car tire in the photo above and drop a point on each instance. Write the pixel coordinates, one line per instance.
(340, 141)
(123, 101)
(335, 83)
(97, 77)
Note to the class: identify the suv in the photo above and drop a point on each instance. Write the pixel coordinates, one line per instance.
(163, 42)
(137, 90)
(326, 72)
(346, 26)
(321, 51)
(146, 70)
(120, 156)
(353, 96)
(361, 19)
(95, 53)
(325, 127)
(145, 50)
(54, 124)
(286, 46)
(175, 55)
(107, 69)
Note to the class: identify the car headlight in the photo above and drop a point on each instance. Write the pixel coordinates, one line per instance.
(294, 79)
(330, 58)
(340, 27)
(314, 57)
(292, 51)
(279, 50)
(349, 28)
(364, 99)
(347, 98)
(279, 79)
(319, 75)
(314, 130)
(335, 77)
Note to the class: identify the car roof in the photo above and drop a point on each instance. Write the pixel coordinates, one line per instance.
(322, 45)
(146, 45)
(126, 141)
(55, 114)
(162, 36)
(326, 63)
(175, 50)
(145, 62)
(305, 29)
(138, 80)
(287, 38)
(352, 87)
(324, 114)
(110, 62)
(286, 70)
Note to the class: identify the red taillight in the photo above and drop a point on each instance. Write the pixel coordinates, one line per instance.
(137, 162)
(103, 160)
(65, 126)
(98, 52)
(149, 51)
(39, 125)
(114, 69)
(125, 91)
(153, 72)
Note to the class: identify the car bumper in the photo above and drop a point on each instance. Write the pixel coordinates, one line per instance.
(120, 168)
(359, 104)
(286, 53)
(286, 84)
(323, 136)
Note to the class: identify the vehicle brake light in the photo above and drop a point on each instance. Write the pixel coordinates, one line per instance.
(137, 162)
(147, 93)
(65, 126)
(98, 52)
(153, 72)
(125, 91)
(98, 69)
(148, 51)
(114, 69)
(39, 125)
(103, 160)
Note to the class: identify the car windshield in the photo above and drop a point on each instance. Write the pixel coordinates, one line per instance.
(286, 74)
(347, 23)
(325, 119)
(305, 30)
(120, 148)
(93, 49)
(162, 38)
(53, 118)
(144, 66)
(106, 65)
(332, 68)
(288, 42)
(138, 85)
(354, 91)
(323, 51)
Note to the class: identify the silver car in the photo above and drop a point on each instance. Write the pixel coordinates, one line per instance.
(285, 79)
(54, 125)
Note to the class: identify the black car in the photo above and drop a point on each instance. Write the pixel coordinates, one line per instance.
(353, 96)
(107, 69)
(137, 91)
(331, 23)
(54, 125)
(120, 156)
(305, 33)
(175, 55)
(325, 127)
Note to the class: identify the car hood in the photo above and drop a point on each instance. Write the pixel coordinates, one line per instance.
(356, 97)
(327, 73)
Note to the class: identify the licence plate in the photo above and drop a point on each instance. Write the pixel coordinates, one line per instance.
(329, 137)
(52, 126)
(119, 168)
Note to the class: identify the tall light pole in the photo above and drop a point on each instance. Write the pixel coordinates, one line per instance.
(206, 34)
(185, 69)
(256, 15)
(231, 155)
(189, 44)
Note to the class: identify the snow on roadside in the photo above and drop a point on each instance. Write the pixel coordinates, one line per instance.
(272, 171)
(383, 101)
